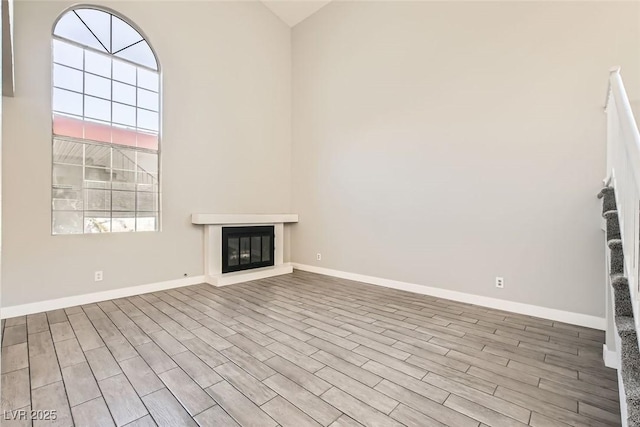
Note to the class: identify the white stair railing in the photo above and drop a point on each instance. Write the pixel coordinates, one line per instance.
(623, 173)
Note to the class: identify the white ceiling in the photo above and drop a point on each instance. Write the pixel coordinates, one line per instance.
(294, 11)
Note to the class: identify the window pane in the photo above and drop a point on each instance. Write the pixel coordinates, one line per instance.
(97, 174)
(67, 78)
(97, 131)
(66, 200)
(124, 72)
(123, 222)
(124, 159)
(139, 53)
(148, 79)
(147, 178)
(68, 126)
(97, 200)
(71, 27)
(147, 182)
(147, 222)
(147, 119)
(148, 99)
(97, 86)
(148, 140)
(146, 188)
(67, 152)
(147, 202)
(123, 180)
(99, 23)
(124, 114)
(124, 93)
(123, 34)
(67, 222)
(98, 155)
(123, 136)
(97, 108)
(148, 162)
(124, 201)
(67, 54)
(97, 222)
(67, 102)
(97, 64)
(67, 176)
(97, 183)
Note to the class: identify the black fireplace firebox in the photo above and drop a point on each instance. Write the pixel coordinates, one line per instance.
(244, 248)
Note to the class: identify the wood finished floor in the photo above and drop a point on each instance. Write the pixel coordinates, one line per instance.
(302, 350)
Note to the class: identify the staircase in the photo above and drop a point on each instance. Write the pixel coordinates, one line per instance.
(626, 339)
(621, 213)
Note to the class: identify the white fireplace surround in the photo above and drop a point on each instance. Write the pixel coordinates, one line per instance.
(213, 224)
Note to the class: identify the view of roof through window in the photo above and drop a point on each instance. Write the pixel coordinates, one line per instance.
(106, 123)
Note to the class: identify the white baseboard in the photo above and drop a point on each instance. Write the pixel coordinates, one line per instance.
(514, 307)
(248, 275)
(54, 304)
(610, 357)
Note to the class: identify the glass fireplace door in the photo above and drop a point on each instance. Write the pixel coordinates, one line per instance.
(244, 248)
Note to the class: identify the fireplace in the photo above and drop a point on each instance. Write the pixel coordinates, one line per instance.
(213, 224)
(244, 248)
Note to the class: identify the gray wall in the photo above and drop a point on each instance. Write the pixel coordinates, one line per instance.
(226, 69)
(446, 143)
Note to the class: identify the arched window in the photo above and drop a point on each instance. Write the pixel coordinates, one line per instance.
(106, 125)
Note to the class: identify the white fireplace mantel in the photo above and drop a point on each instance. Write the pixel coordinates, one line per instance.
(213, 224)
(236, 219)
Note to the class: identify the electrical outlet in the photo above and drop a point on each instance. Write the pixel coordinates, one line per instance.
(97, 276)
(500, 282)
(319, 257)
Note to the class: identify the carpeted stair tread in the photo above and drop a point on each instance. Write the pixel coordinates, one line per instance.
(618, 279)
(631, 375)
(615, 244)
(616, 257)
(631, 361)
(633, 412)
(622, 298)
(612, 225)
(625, 325)
(608, 197)
(606, 191)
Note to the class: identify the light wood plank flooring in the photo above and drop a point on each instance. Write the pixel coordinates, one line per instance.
(302, 350)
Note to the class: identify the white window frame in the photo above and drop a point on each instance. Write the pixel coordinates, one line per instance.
(157, 192)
